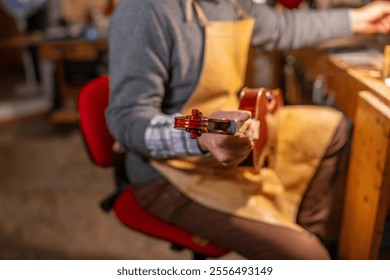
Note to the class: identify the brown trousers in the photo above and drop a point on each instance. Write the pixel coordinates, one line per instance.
(319, 213)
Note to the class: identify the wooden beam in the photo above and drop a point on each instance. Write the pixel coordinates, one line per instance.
(367, 192)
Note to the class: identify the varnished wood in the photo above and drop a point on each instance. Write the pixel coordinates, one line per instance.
(367, 192)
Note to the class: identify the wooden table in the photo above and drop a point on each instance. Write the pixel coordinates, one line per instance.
(365, 99)
(62, 52)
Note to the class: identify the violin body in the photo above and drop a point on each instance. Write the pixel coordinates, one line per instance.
(259, 101)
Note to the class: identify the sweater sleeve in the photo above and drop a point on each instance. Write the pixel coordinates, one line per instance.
(292, 29)
(139, 57)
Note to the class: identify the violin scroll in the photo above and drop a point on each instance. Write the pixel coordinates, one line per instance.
(195, 123)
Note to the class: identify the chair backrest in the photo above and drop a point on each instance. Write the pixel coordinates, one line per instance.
(291, 4)
(92, 102)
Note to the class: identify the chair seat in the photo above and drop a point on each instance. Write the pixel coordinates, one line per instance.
(131, 214)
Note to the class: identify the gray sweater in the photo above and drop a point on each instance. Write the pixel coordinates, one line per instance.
(155, 58)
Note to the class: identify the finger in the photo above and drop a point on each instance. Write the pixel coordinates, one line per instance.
(385, 6)
(230, 142)
(385, 24)
(382, 27)
(235, 157)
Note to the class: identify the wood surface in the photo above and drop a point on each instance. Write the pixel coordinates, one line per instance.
(367, 193)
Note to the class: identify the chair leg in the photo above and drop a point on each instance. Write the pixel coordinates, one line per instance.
(198, 256)
(176, 247)
(195, 255)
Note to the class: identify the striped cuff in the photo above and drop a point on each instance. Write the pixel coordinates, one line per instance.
(163, 141)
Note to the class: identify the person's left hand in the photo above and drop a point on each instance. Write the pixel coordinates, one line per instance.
(228, 150)
(371, 18)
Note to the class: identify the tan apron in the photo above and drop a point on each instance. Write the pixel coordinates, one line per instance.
(271, 195)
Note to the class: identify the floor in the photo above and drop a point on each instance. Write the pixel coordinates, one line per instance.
(20, 98)
(49, 195)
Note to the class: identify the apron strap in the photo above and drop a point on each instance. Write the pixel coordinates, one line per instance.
(188, 10)
(202, 17)
(239, 11)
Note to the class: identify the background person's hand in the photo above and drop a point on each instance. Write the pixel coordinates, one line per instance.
(371, 18)
(228, 150)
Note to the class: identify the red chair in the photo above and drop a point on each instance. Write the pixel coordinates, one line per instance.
(290, 4)
(91, 104)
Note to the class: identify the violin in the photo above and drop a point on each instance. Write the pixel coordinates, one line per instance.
(259, 101)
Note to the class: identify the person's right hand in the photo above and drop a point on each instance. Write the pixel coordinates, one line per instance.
(228, 150)
(371, 18)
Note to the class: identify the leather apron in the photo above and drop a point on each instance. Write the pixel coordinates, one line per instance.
(270, 195)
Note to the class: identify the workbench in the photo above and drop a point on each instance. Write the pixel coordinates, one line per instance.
(352, 82)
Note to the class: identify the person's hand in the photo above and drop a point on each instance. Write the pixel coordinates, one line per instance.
(371, 18)
(228, 150)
